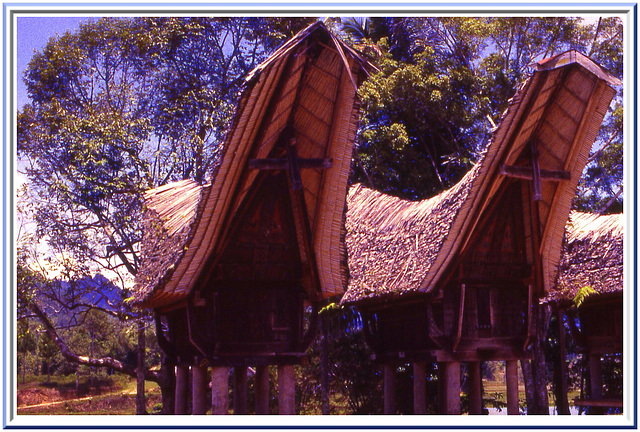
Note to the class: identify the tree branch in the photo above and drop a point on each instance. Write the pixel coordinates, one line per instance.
(84, 360)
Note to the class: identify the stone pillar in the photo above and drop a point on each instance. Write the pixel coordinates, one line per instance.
(475, 388)
(199, 390)
(389, 388)
(419, 388)
(511, 375)
(182, 389)
(262, 390)
(286, 390)
(240, 390)
(450, 387)
(219, 390)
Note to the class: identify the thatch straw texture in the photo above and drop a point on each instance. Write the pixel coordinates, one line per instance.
(407, 249)
(592, 255)
(168, 221)
(307, 91)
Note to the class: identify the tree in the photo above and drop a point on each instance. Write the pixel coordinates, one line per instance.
(118, 107)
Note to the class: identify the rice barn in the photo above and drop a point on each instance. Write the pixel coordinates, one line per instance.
(589, 298)
(457, 277)
(229, 267)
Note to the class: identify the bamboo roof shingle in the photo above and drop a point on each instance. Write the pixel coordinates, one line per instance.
(397, 247)
(305, 92)
(592, 256)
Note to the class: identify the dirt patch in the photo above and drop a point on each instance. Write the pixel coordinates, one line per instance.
(40, 395)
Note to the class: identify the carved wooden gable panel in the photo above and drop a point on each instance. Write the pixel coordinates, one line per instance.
(263, 244)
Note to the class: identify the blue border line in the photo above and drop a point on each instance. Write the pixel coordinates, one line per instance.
(303, 427)
(322, 6)
(4, 222)
(635, 214)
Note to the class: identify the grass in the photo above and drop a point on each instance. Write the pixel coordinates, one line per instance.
(496, 392)
(110, 395)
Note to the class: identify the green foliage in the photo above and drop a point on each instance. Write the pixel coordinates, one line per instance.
(355, 380)
(424, 119)
(582, 295)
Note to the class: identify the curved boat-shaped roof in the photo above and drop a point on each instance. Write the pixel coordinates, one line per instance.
(592, 256)
(397, 247)
(305, 91)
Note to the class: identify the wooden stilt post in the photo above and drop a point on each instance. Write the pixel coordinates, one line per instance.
(182, 389)
(240, 390)
(451, 387)
(219, 390)
(442, 388)
(286, 390)
(199, 389)
(419, 388)
(512, 387)
(389, 389)
(262, 390)
(475, 388)
(595, 379)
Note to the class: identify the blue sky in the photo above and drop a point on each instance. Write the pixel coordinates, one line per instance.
(32, 34)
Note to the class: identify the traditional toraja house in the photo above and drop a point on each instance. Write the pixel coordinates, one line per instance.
(454, 278)
(592, 263)
(228, 267)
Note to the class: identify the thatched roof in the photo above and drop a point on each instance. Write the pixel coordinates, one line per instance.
(397, 247)
(306, 90)
(592, 255)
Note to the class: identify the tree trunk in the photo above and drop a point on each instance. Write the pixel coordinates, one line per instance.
(536, 374)
(324, 366)
(140, 399)
(559, 370)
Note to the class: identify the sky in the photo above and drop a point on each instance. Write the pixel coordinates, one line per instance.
(32, 34)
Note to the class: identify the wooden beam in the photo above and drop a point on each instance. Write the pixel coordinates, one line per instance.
(526, 173)
(535, 167)
(606, 403)
(280, 164)
(463, 290)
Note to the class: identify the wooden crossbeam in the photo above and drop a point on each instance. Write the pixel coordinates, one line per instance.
(534, 173)
(526, 173)
(280, 164)
(291, 163)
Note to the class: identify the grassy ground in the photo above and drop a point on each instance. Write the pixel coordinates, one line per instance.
(61, 396)
(495, 394)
